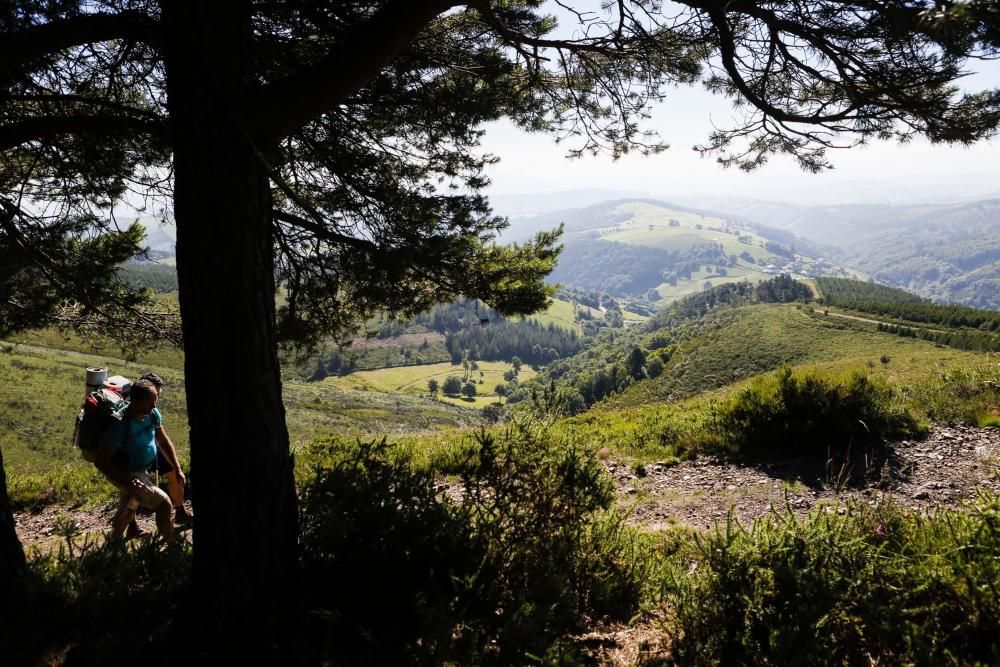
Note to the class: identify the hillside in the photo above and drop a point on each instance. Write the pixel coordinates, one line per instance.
(736, 343)
(41, 390)
(946, 252)
(660, 252)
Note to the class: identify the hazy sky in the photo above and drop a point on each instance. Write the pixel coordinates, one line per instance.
(882, 172)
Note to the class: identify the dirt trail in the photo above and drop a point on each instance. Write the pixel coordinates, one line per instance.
(45, 530)
(951, 465)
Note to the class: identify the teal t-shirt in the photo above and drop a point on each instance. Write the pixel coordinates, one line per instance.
(136, 438)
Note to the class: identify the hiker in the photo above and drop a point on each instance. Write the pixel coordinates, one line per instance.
(173, 473)
(128, 450)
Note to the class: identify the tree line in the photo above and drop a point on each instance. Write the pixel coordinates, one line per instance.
(780, 289)
(533, 342)
(976, 341)
(899, 304)
(157, 277)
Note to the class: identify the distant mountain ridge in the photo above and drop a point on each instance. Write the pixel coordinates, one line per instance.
(946, 252)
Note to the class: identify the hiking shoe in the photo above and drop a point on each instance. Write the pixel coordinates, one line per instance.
(183, 518)
(134, 530)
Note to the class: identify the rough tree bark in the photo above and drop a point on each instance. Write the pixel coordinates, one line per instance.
(11, 551)
(245, 560)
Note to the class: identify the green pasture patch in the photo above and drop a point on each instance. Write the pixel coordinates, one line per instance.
(629, 316)
(413, 379)
(684, 287)
(650, 226)
(562, 314)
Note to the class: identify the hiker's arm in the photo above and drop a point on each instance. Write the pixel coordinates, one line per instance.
(169, 451)
(102, 462)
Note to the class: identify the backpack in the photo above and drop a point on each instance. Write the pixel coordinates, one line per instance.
(100, 410)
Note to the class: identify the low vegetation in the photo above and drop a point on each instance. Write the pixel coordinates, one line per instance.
(400, 574)
(875, 585)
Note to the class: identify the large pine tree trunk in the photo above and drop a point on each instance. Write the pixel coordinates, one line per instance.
(11, 551)
(244, 494)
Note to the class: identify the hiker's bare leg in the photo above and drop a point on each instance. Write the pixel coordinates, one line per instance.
(174, 488)
(120, 521)
(165, 520)
(176, 492)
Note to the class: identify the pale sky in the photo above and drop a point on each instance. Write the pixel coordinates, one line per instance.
(882, 172)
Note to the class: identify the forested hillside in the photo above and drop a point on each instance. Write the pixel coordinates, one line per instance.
(660, 252)
(901, 305)
(617, 268)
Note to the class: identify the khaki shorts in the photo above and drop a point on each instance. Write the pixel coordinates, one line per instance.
(150, 496)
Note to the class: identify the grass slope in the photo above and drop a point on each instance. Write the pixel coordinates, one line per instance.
(41, 391)
(650, 226)
(561, 313)
(741, 342)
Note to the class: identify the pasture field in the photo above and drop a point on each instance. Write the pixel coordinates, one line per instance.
(650, 226)
(629, 316)
(669, 293)
(560, 313)
(412, 380)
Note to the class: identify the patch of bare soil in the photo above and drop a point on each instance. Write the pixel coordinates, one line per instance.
(46, 529)
(624, 645)
(950, 466)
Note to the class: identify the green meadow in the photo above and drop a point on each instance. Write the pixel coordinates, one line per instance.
(561, 313)
(412, 380)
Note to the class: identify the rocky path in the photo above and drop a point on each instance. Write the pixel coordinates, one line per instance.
(951, 465)
(47, 529)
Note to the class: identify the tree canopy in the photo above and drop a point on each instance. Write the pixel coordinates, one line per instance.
(376, 193)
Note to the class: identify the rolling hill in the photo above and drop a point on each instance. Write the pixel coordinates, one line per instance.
(659, 251)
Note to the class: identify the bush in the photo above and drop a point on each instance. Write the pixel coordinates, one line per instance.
(523, 553)
(962, 395)
(452, 385)
(86, 604)
(809, 415)
(876, 585)
(383, 558)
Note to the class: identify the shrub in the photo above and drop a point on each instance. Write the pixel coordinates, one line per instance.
(383, 557)
(523, 553)
(452, 385)
(809, 415)
(89, 604)
(961, 395)
(876, 585)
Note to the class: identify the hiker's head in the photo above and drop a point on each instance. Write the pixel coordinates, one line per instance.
(155, 379)
(143, 397)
